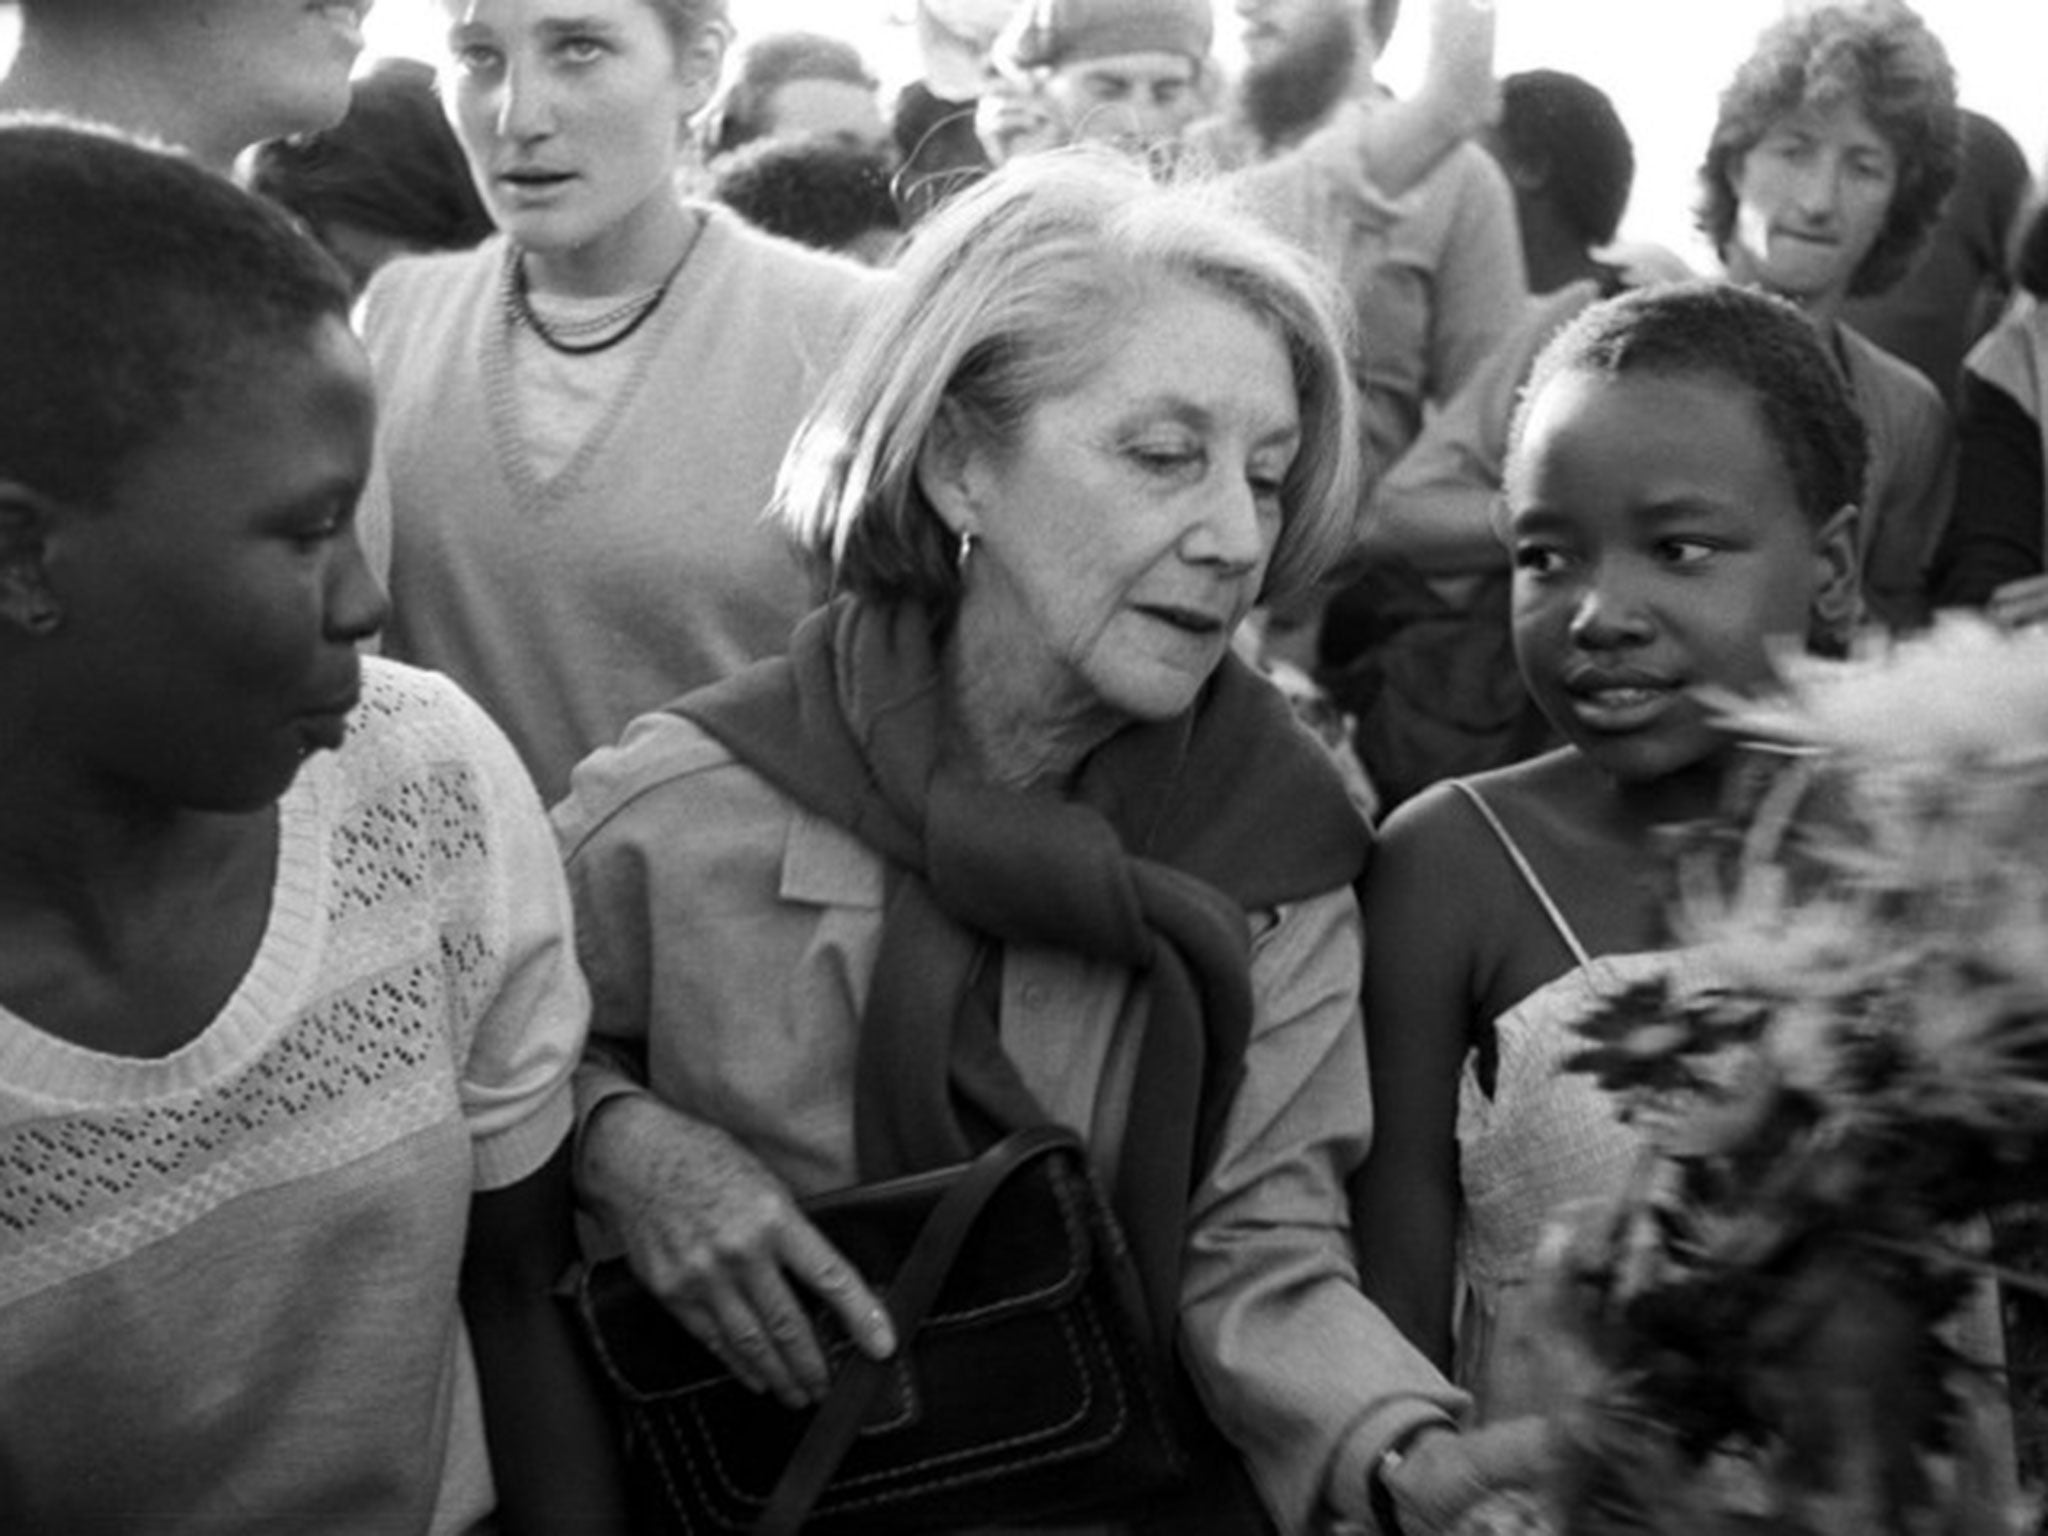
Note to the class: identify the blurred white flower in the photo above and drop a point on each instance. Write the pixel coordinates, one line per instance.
(1876, 933)
(1964, 691)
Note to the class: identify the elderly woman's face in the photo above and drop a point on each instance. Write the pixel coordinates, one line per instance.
(1126, 534)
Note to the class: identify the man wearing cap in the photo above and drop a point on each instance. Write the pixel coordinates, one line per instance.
(1128, 72)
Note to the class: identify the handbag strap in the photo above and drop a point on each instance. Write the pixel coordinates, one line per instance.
(831, 1432)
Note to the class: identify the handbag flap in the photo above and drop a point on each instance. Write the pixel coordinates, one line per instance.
(1030, 1250)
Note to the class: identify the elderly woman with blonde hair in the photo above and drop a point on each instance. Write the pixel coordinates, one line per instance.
(1011, 835)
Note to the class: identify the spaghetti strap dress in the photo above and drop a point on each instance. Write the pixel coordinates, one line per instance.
(1545, 1137)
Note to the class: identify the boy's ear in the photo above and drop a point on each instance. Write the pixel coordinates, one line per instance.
(949, 471)
(27, 603)
(1838, 583)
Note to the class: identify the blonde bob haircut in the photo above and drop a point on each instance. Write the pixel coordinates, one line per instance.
(1014, 294)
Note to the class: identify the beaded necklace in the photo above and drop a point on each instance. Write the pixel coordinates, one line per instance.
(598, 333)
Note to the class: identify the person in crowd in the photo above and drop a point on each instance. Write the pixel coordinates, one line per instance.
(1991, 556)
(1435, 272)
(1334, 192)
(1835, 144)
(1962, 280)
(582, 418)
(212, 77)
(1681, 496)
(819, 192)
(1419, 649)
(1015, 115)
(933, 117)
(1572, 165)
(1329, 193)
(792, 84)
(1437, 284)
(387, 180)
(1092, 423)
(1680, 507)
(1124, 72)
(1832, 152)
(288, 1001)
(1571, 161)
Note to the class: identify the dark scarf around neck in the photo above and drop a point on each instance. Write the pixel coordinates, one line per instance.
(1172, 833)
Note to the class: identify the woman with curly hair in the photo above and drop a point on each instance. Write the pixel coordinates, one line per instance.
(1835, 145)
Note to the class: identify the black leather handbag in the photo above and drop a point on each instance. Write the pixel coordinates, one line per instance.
(1026, 1387)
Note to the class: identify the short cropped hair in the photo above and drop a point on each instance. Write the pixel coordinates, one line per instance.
(1762, 344)
(1016, 293)
(393, 166)
(1878, 54)
(132, 283)
(1569, 128)
(765, 66)
(814, 191)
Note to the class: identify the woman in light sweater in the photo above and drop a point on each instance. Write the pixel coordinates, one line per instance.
(583, 417)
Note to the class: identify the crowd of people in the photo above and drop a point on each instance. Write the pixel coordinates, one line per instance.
(618, 631)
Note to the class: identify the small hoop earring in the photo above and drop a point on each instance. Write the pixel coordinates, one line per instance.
(966, 549)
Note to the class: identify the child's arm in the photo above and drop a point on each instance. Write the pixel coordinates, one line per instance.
(1418, 990)
(553, 1451)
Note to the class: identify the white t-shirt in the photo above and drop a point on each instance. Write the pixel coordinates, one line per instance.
(228, 1276)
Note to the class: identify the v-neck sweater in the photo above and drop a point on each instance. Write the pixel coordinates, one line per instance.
(569, 605)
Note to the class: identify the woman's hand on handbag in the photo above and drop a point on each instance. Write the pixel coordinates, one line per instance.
(717, 1238)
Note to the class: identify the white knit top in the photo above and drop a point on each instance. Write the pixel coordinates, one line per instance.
(228, 1275)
